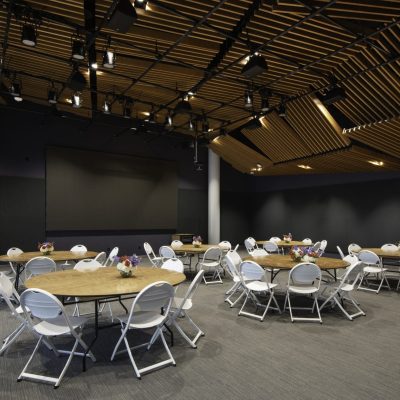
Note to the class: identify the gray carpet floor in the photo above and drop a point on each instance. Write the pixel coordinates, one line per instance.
(239, 358)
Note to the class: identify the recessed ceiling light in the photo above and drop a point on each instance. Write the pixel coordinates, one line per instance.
(376, 163)
(304, 166)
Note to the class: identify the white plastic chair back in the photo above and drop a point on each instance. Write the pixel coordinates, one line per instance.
(251, 271)
(193, 287)
(167, 252)
(14, 251)
(249, 244)
(225, 245)
(351, 258)
(275, 239)
(79, 248)
(271, 247)
(154, 297)
(233, 263)
(354, 248)
(259, 253)
(390, 247)
(369, 257)
(39, 265)
(307, 274)
(213, 254)
(101, 258)
(173, 264)
(316, 246)
(175, 244)
(340, 252)
(307, 241)
(41, 304)
(8, 292)
(234, 257)
(324, 243)
(353, 274)
(87, 265)
(111, 256)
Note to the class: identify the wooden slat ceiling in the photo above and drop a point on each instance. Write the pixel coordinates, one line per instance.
(176, 46)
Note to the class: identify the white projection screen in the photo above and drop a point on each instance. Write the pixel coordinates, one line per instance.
(88, 190)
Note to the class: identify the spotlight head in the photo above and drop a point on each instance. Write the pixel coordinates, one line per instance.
(183, 107)
(15, 89)
(255, 66)
(78, 49)
(191, 125)
(28, 36)
(264, 105)
(76, 100)
(109, 58)
(76, 81)
(52, 95)
(282, 110)
(248, 99)
(168, 120)
(107, 106)
(127, 110)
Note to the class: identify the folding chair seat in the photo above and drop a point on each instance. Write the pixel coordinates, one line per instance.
(253, 281)
(149, 310)
(51, 320)
(304, 279)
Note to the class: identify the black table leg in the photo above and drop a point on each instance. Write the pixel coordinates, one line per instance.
(20, 268)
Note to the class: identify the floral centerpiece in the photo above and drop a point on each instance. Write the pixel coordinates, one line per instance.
(296, 253)
(126, 265)
(46, 248)
(197, 241)
(287, 238)
(309, 255)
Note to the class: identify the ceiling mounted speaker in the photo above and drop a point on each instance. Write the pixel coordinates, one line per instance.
(123, 17)
(255, 66)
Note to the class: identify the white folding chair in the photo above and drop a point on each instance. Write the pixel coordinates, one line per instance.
(275, 239)
(329, 278)
(315, 247)
(155, 261)
(78, 248)
(250, 244)
(13, 252)
(51, 320)
(253, 281)
(225, 245)
(181, 306)
(211, 262)
(173, 264)
(233, 261)
(353, 248)
(340, 252)
(322, 248)
(166, 252)
(342, 292)
(271, 247)
(185, 257)
(10, 296)
(150, 309)
(307, 241)
(39, 265)
(304, 279)
(111, 256)
(372, 266)
(101, 258)
(393, 265)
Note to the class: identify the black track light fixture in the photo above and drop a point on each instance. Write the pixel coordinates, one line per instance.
(76, 100)
(183, 107)
(127, 109)
(191, 124)
(52, 94)
(141, 4)
(107, 105)
(248, 98)
(16, 90)
(169, 121)
(264, 93)
(78, 47)
(109, 56)
(256, 65)
(29, 35)
(282, 109)
(76, 81)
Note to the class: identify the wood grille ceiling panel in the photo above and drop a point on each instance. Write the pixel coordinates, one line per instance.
(181, 45)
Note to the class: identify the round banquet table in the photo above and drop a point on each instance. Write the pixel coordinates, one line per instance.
(383, 254)
(282, 243)
(103, 282)
(275, 261)
(189, 248)
(55, 255)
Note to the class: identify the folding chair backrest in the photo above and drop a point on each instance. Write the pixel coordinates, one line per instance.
(8, 292)
(154, 297)
(369, 257)
(324, 243)
(351, 259)
(14, 251)
(213, 254)
(389, 247)
(193, 286)
(307, 241)
(248, 243)
(41, 304)
(235, 258)
(225, 245)
(275, 239)
(87, 265)
(340, 252)
(232, 263)
(111, 256)
(316, 246)
(101, 258)
(175, 244)
(270, 247)
(354, 248)
(305, 274)
(259, 253)
(167, 252)
(173, 264)
(148, 249)
(251, 271)
(353, 274)
(40, 265)
(79, 248)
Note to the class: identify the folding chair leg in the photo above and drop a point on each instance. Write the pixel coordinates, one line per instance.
(117, 345)
(23, 373)
(67, 364)
(128, 349)
(12, 337)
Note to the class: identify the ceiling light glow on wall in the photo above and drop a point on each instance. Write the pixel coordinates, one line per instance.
(304, 166)
(376, 163)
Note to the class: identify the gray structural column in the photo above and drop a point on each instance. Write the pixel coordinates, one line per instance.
(213, 198)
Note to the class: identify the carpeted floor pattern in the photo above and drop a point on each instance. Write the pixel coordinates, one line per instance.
(239, 358)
